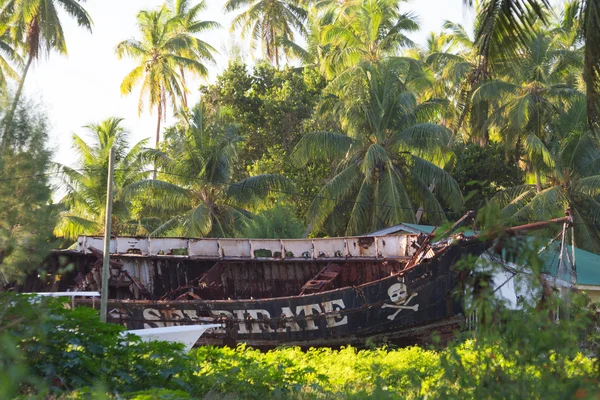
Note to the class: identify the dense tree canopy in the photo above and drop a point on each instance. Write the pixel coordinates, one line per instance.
(27, 215)
(363, 128)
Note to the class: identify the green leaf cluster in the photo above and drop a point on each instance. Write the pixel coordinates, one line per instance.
(49, 348)
(27, 214)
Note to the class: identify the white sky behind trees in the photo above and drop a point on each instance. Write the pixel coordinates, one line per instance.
(84, 87)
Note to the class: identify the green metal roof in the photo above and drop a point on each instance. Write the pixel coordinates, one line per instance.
(588, 267)
(587, 264)
(422, 228)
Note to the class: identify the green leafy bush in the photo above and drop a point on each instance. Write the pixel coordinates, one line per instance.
(58, 349)
(49, 351)
(483, 171)
(474, 369)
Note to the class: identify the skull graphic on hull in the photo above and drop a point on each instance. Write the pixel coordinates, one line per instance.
(400, 299)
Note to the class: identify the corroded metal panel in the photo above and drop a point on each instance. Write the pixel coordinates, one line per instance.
(366, 247)
(204, 248)
(142, 270)
(298, 248)
(362, 247)
(85, 244)
(266, 248)
(235, 248)
(330, 248)
(131, 245)
(171, 246)
(391, 246)
(244, 280)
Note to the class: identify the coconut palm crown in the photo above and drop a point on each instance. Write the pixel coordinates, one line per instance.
(267, 21)
(366, 31)
(385, 167)
(161, 53)
(85, 183)
(189, 25)
(195, 195)
(35, 27)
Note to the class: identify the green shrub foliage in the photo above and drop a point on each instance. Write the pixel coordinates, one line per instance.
(55, 349)
(27, 216)
(47, 350)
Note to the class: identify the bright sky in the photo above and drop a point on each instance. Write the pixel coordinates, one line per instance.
(83, 88)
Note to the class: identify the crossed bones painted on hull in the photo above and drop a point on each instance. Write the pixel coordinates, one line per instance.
(399, 296)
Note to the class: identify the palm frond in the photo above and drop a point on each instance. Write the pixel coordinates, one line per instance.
(173, 195)
(374, 162)
(537, 150)
(549, 203)
(446, 187)
(71, 226)
(335, 193)
(513, 199)
(256, 188)
(423, 139)
(589, 185)
(321, 146)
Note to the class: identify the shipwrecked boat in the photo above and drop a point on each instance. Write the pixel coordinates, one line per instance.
(313, 292)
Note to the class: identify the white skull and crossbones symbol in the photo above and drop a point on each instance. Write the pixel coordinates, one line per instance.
(400, 299)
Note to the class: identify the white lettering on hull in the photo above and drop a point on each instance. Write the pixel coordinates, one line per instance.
(152, 314)
(329, 307)
(255, 321)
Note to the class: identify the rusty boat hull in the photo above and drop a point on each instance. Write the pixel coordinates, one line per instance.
(404, 307)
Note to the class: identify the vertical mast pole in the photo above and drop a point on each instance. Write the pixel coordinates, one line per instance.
(107, 230)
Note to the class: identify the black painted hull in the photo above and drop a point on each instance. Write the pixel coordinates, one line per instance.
(406, 306)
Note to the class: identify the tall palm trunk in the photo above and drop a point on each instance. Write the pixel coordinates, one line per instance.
(157, 132)
(421, 209)
(538, 181)
(185, 103)
(11, 114)
(591, 71)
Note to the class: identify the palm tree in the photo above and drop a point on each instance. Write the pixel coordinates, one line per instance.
(8, 54)
(269, 21)
(565, 26)
(367, 31)
(508, 24)
(532, 96)
(386, 163)
(457, 67)
(314, 51)
(573, 182)
(163, 50)
(196, 197)
(85, 184)
(190, 25)
(35, 26)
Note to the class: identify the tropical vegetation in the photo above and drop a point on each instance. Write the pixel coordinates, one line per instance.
(167, 49)
(85, 184)
(27, 215)
(344, 123)
(32, 27)
(508, 360)
(195, 195)
(347, 124)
